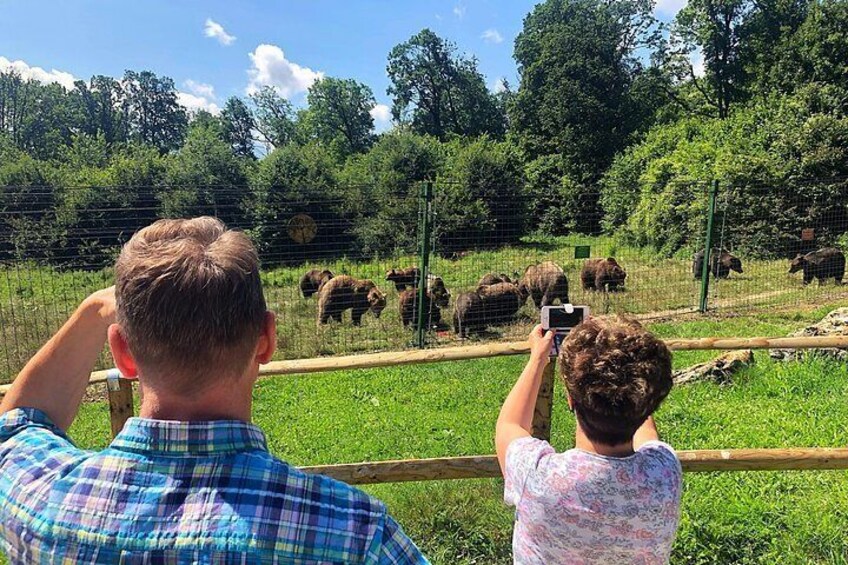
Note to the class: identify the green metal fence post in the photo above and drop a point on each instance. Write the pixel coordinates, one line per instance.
(424, 260)
(708, 247)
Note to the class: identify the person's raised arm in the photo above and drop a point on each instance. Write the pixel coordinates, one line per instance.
(516, 417)
(646, 432)
(54, 380)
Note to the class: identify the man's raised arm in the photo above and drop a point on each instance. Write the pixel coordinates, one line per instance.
(55, 379)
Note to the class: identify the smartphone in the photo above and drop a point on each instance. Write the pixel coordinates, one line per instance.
(562, 319)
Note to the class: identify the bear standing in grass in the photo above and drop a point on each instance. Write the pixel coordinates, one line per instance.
(602, 274)
(342, 293)
(436, 297)
(311, 282)
(404, 277)
(469, 315)
(545, 282)
(826, 263)
(721, 263)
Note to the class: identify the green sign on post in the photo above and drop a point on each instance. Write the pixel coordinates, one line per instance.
(582, 251)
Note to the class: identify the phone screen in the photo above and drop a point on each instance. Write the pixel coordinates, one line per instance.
(559, 318)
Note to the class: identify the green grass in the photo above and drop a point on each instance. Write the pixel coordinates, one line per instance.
(34, 301)
(450, 409)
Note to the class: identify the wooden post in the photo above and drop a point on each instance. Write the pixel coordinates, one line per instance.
(545, 403)
(120, 403)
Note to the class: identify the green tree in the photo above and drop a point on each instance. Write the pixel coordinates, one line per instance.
(480, 196)
(275, 117)
(153, 113)
(339, 114)
(205, 178)
(715, 29)
(381, 190)
(820, 47)
(37, 118)
(297, 179)
(439, 91)
(238, 125)
(577, 60)
(99, 104)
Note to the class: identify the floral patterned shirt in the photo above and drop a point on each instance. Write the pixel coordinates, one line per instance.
(578, 507)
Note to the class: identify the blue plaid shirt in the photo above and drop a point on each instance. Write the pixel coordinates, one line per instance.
(179, 492)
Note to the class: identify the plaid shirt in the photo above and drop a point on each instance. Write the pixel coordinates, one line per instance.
(179, 492)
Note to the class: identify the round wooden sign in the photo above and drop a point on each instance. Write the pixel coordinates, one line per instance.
(302, 228)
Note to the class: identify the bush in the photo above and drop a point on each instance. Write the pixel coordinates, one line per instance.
(764, 155)
(297, 179)
(382, 187)
(480, 199)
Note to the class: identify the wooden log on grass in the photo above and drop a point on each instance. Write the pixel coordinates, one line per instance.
(486, 466)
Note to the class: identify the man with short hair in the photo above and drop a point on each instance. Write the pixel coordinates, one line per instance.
(191, 479)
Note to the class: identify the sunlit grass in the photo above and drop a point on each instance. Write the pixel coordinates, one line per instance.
(449, 409)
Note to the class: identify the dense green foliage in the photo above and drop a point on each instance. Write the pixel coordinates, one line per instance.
(613, 128)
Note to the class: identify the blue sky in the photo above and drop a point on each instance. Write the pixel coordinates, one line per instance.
(216, 49)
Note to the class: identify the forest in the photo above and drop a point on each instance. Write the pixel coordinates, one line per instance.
(617, 121)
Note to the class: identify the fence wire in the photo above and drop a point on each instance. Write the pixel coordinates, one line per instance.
(495, 254)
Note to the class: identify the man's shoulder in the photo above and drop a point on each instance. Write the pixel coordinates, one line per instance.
(317, 488)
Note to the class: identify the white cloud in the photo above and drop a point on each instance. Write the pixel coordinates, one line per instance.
(193, 103)
(492, 36)
(200, 89)
(459, 11)
(200, 96)
(216, 30)
(497, 85)
(270, 67)
(669, 7)
(381, 113)
(37, 73)
(697, 59)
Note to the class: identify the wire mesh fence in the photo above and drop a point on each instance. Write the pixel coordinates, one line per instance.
(788, 241)
(359, 269)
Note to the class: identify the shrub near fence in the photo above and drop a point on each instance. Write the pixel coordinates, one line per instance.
(56, 246)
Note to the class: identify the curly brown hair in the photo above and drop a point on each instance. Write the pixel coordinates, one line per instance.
(616, 374)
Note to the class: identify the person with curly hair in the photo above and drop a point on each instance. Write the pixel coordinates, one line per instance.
(614, 497)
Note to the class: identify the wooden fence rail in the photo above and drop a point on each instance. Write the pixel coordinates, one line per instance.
(120, 397)
(415, 357)
(486, 466)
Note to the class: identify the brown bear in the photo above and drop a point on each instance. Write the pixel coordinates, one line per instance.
(438, 291)
(311, 282)
(408, 301)
(491, 278)
(404, 277)
(545, 282)
(468, 314)
(826, 263)
(501, 302)
(602, 274)
(343, 292)
(721, 263)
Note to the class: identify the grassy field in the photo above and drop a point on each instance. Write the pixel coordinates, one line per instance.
(34, 301)
(450, 409)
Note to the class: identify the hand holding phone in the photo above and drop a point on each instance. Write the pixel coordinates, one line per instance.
(561, 320)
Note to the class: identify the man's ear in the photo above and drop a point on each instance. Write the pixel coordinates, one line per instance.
(267, 339)
(124, 360)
